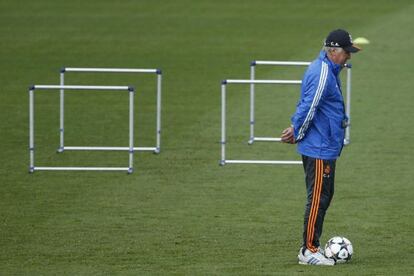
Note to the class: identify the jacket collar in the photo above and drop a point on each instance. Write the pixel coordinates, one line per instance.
(336, 68)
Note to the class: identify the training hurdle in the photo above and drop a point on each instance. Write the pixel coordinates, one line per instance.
(253, 65)
(131, 91)
(224, 84)
(158, 72)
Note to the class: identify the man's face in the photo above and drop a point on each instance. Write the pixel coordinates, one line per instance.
(341, 57)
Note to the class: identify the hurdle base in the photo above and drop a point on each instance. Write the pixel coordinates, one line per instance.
(263, 162)
(271, 139)
(127, 169)
(66, 148)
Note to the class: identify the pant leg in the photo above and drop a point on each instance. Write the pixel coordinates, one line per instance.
(319, 178)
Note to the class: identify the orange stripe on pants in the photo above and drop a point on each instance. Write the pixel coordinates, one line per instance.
(317, 188)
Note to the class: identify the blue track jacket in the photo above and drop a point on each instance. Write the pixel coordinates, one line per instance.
(320, 113)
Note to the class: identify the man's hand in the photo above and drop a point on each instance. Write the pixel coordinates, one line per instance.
(287, 136)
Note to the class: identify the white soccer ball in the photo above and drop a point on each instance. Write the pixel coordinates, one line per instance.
(339, 249)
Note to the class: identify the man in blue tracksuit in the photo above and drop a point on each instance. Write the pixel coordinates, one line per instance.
(318, 128)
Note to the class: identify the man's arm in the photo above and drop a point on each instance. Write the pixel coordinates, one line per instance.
(315, 85)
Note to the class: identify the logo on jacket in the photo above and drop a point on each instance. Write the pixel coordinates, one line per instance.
(327, 171)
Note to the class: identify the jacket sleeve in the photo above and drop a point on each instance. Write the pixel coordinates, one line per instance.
(313, 86)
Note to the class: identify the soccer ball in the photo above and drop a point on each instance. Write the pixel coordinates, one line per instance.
(339, 249)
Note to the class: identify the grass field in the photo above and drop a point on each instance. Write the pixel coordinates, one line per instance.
(180, 212)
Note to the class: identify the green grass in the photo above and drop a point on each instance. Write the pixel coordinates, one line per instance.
(180, 213)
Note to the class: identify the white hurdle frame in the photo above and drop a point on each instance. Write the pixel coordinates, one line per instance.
(223, 160)
(131, 90)
(253, 64)
(155, 149)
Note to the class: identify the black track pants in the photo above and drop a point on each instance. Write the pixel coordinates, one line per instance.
(319, 177)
